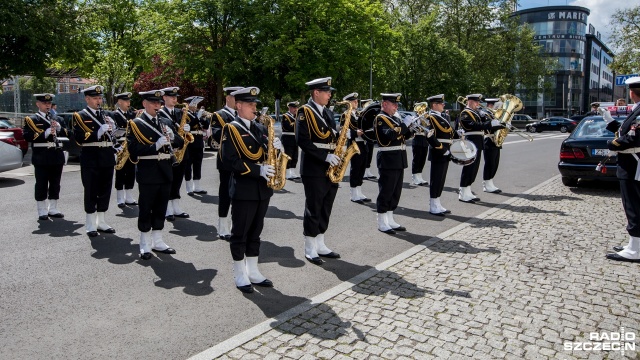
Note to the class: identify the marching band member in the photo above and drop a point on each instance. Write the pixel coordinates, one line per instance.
(370, 147)
(474, 125)
(358, 161)
(316, 135)
(199, 126)
(97, 161)
(594, 109)
(218, 120)
(420, 150)
(392, 160)
(244, 149)
(151, 142)
(169, 111)
(125, 177)
(627, 146)
(491, 153)
(289, 138)
(439, 155)
(47, 158)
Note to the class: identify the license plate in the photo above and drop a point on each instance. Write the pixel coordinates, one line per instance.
(599, 152)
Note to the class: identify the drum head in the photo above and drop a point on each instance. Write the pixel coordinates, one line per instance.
(367, 119)
(463, 152)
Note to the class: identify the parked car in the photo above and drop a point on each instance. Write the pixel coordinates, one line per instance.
(581, 152)
(7, 125)
(521, 117)
(10, 153)
(578, 118)
(552, 124)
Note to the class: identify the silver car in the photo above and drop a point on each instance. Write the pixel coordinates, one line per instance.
(10, 154)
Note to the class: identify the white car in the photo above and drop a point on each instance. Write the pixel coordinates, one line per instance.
(10, 154)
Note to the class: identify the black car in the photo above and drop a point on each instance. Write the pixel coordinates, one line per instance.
(552, 124)
(581, 152)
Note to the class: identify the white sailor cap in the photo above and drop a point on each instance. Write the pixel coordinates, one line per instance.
(152, 95)
(44, 97)
(320, 84)
(474, 97)
(491, 100)
(95, 90)
(248, 94)
(393, 97)
(123, 96)
(229, 89)
(633, 82)
(170, 91)
(436, 98)
(351, 97)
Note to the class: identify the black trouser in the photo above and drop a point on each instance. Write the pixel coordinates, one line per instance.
(469, 172)
(47, 181)
(126, 177)
(291, 149)
(152, 206)
(358, 165)
(491, 162)
(438, 177)
(419, 158)
(247, 218)
(370, 146)
(224, 200)
(319, 194)
(630, 193)
(194, 161)
(178, 175)
(389, 189)
(97, 182)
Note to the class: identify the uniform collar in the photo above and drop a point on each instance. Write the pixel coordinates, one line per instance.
(43, 114)
(229, 109)
(245, 122)
(318, 106)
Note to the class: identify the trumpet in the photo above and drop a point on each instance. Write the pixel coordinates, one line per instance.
(421, 123)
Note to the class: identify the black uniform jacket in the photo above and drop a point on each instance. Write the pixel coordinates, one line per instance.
(176, 118)
(243, 152)
(218, 120)
(288, 123)
(197, 124)
(354, 124)
(314, 127)
(472, 120)
(390, 132)
(86, 124)
(627, 137)
(141, 141)
(122, 120)
(34, 129)
(442, 130)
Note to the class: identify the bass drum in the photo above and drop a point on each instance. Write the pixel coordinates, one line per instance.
(463, 152)
(367, 120)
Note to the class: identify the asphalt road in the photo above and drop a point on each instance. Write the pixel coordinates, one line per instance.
(64, 295)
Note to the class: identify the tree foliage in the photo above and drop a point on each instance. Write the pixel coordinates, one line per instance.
(626, 40)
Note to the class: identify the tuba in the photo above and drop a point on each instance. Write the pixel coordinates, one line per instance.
(187, 136)
(510, 104)
(276, 158)
(336, 173)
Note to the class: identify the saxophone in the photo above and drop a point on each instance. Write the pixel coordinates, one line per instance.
(276, 158)
(122, 156)
(187, 136)
(336, 173)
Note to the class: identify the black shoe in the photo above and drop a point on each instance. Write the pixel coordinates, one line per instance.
(108, 231)
(426, 183)
(57, 216)
(190, 193)
(43, 217)
(132, 203)
(170, 218)
(467, 201)
(315, 260)
(437, 214)
(621, 258)
(476, 199)
(92, 233)
(358, 201)
(447, 212)
(390, 231)
(225, 237)
(265, 283)
(366, 199)
(165, 251)
(121, 205)
(247, 289)
(400, 228)
(201, 192)
(184, 215)
(146, 256)
(618, 248)
(331, 255)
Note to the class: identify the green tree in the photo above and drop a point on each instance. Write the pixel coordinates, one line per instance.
(38, 85)
(626, 40)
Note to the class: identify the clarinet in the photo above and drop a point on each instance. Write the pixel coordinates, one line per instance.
(174, 160)
(111, 133)
(54, 132)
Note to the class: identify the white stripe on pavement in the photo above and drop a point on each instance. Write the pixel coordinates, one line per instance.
(537, 138)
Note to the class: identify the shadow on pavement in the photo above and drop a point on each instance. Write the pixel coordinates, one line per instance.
(208, 199)
(188, 227)
(459, 246)
(129, 212)
(389, 282)
(283, 255)
(173, 273)
(115, 249)
(271, 301)
(10, 182)
(274, 212)
(343, 270)
(58, 228)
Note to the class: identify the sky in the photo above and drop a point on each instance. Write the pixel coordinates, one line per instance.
(601, 10)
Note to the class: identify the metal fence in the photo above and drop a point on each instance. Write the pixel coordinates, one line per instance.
(66, 102)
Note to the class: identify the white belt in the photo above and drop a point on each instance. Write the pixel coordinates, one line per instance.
(359, 140)
(467, 133)
(325, 146)
(155, 157)
(47, 144)
(197, 132)
(420, 134)
(629, 151)
(99, 144)
(392, 148)
(288, 133)
(489, 136)
(446, 141)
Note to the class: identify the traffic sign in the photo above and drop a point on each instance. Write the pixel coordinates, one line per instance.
(620, 79)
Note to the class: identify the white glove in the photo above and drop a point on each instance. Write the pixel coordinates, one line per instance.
(278, 144)
(103, 129)
(267, 171)
(349, 134)
(606, 115)
(447, 153)
(199, 114)
(495, 123)
(460, 132)
(186, 127)
(47, 133)
(56, 125)
(332, 159)
(408, 120)
(169, 132)
(162, 141)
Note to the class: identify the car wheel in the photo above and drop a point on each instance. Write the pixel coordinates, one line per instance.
(532, 129)
(563, 129)
(569, 181)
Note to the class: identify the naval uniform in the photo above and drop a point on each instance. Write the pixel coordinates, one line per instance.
(420, 149)
(125, 177)
(391, 160)
(474, 126)
(196, 148)
(358, 161)
(316, 136)
(491, 152)
(47, 156)
(218, 120)
(243, 151)
(154, 168)
(97, 159)
(175, 117)
(288, 139)
(440, 143)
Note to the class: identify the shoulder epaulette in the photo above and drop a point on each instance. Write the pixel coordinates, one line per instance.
(138, 134)
(80, 123)
(239, 144)
(313, 125)
(33, 126)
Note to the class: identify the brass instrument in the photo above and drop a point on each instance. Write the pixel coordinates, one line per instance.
(122, 156)
(276, 158)
(187, 136)
(336, 173)
(510, 104)
(421, 123)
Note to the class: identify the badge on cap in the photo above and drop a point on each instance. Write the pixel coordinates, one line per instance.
(254, 92)
(158, 93)
(47, 97)
(398, 98)
(98, 89)
(329, 82)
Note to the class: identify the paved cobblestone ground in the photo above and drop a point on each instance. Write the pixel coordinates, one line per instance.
(517, 284)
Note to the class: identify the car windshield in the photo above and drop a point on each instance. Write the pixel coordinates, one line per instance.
(6, 123)
(593, 127)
